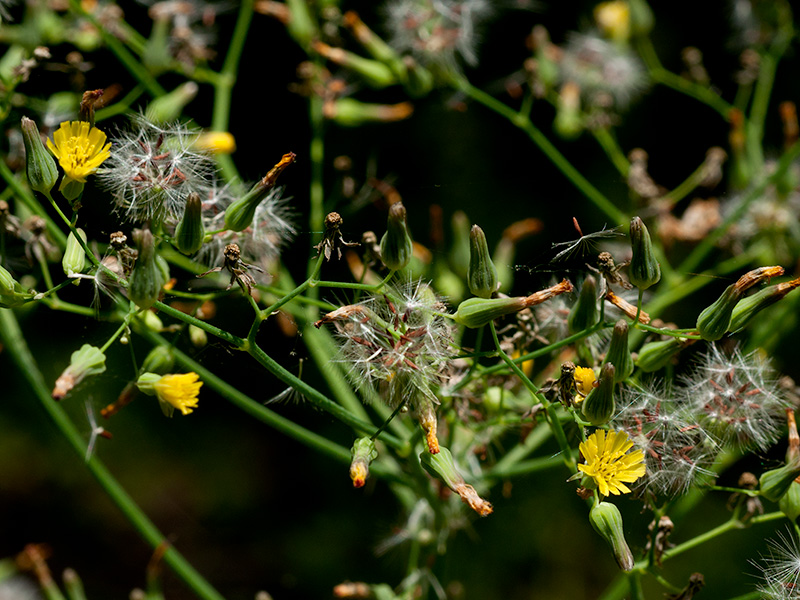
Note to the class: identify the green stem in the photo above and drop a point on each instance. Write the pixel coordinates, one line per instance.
(612, 149)
(22, 194)
(15, 343)
(223, 86)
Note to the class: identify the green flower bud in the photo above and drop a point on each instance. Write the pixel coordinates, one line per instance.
(644, 270)
(656, 355)
(790, 501)
(160, 360)
(146, 278)
(396, 244)
(482, 275)
(239, 215)
(375, 74)
(374, 45)
(189, 233)
(477, 312)
(362, 454)
(598, 407)
(569, 122)
(747, 308)
(715, 320)
(618, 353)
(775, 483)
(419, 80)
(607, 521)
(7, 283)
(642, 19)
(74, 260)
(156, 56)
(39, 163)
(350, 112)
(169, 107)
(198, 336)
(441, 466)
(86, 361)
(584, 314)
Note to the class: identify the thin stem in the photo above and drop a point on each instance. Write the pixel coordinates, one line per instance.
(22, 194)
(612, 149)
(223, 86)
(15, 343)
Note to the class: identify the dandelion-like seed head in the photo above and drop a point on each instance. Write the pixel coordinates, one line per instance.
(153, 169)
(601, 67)
(551, 318)
(736, 398)
(260, 243)
(780, 569)
(79, 148)
(397, 344)
(437, 31)
(676, 451)
(609, 463)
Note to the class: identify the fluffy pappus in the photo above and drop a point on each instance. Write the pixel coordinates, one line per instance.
(153, 169)
(437, 31)
(261, 243)
(676, 450)
(600, 67)
(780, 569)
(736, 398)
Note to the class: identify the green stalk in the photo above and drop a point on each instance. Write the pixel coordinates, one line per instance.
(223, 86)
(15, 343)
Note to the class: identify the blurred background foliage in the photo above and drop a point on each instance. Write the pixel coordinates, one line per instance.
(252, 509)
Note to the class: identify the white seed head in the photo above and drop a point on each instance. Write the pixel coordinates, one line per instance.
(736, 397)
(780, 569)
(153, 169)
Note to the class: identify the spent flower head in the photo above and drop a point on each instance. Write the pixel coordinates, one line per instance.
(154, 168)
(736, 398)
(609, 463)
(780, 569)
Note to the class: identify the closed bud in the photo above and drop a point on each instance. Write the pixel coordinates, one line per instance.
(775, 483)
(419, 80)
(39, 163)
(614, 19)
(584, 314)
(396, 244)
(239, 215)
(169, 107)
(190, 232)
(350, 112)
(569, 119)
(7, 282)
(618, 353)
(74, 260)
(146, 279)
(482, 275)
(86, 361)
(644, 270)
(216, 142)
(656, 355)
(607, 521)
(790, 501)
(477, 312)
(362, 454)
(374, 45)
(598, 407)
(374, 73)
(747, 308)
(441, 466)
(198, 336)
(160, 360)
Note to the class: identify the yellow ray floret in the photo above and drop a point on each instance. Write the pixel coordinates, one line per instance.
(79, 148)
(584, 380)
(609, 463)
(179, 390)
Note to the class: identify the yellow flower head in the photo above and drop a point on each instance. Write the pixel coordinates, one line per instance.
(216, 142)
(584, 380)
(79, 149)
(179, 390)
(607, 462)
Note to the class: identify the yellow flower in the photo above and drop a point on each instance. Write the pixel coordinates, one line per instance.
(216, 142)
(179, 390)
(607, 462)
(584, 380)
(79, 149)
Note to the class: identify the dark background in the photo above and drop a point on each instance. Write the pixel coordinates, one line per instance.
(252, 509)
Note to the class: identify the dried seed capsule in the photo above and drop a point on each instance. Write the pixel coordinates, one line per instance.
(396, 244)
(598, 407)
(482, 275)
(747, 308)
(607, 521)
(477, 312)
(644, 269)
(441, 466)
(190, 232)
(239, 215)
(39, 163)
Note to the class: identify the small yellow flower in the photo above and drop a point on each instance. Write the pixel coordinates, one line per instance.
(614, 19)
(79, 149)
(179, 390)
(216, 142)
(584, 380)
(607, 462)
